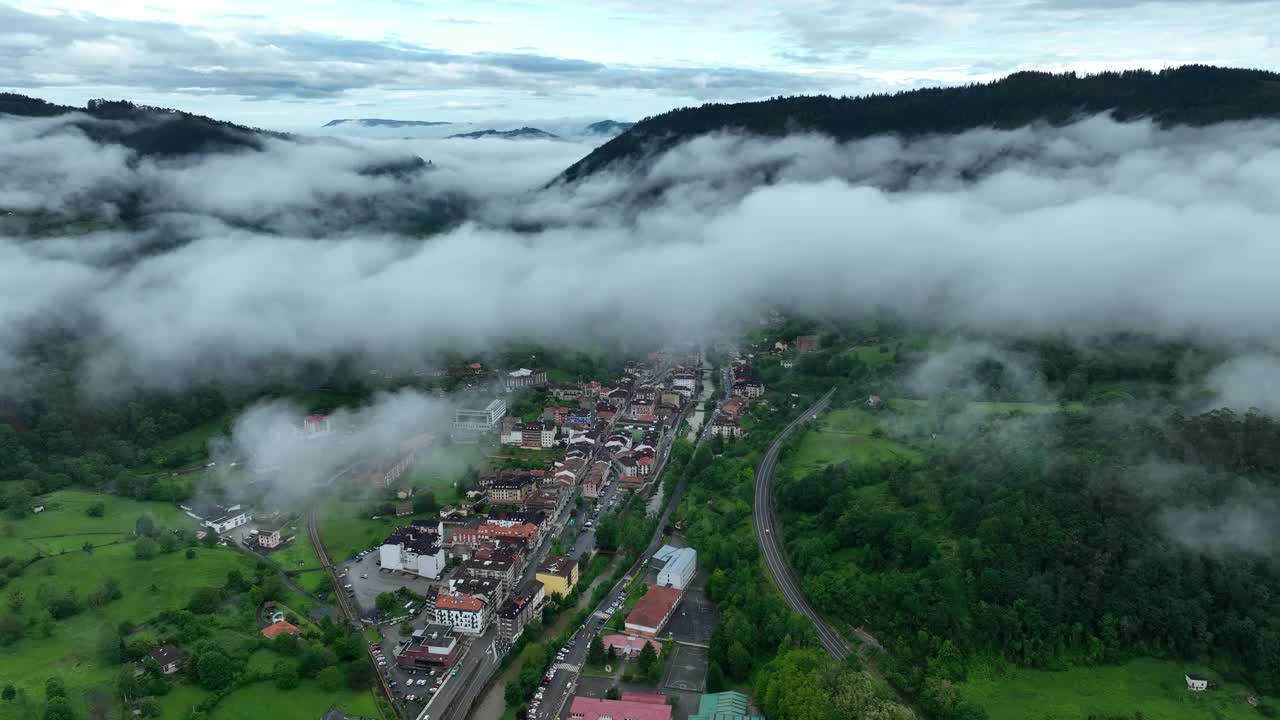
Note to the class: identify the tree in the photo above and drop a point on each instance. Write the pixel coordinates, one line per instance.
(205, 601)
(144, 526)
(648, 658)
(357, 674)
(210, 538)
(286, 644)
(314, 659)
(613, 693)
(330, 678)
(59, 708)
(96, 510)
(14, 600)
(144, 548)
(236, 581)
(285, 675)
(513, 694)
(191, 554)
(54, 687)
(168, 542)
(406, 628)
(11, 629)
(9, 692)
(214, 670)
(386, 602)
(149, 707)
(595, 653)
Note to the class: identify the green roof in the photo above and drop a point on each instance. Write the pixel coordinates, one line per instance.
(724, 706)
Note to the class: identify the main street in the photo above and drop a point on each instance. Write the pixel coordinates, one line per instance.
(765, 521)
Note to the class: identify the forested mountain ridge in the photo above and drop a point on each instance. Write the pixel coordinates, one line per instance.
(1190, 95)
(152, 131)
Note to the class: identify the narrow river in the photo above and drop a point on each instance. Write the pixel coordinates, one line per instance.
(492, 704)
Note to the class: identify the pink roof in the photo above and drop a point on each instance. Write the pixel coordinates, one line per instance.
(650, 698)
(630, 642)
(317, 418)
(594, 708)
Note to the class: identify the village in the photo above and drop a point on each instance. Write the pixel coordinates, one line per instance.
(450, 593)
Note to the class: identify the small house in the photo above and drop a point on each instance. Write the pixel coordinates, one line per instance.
(1197, 683)
(168, 657)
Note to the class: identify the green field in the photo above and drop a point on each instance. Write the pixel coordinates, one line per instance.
(1153, 687)
(299, 554)
(445, 470)
(177, 705)
(150, 587)
(345, 534)
(845, 435)
(308, 701)
(64, 526)
(191, 447)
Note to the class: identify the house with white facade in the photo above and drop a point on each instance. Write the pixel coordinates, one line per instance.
(416, 549)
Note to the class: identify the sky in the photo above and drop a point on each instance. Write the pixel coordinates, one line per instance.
(294, 65)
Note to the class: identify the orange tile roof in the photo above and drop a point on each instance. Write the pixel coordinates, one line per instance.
(281, 627)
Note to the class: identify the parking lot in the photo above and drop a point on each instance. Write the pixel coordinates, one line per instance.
(367, 589)
(695, 618)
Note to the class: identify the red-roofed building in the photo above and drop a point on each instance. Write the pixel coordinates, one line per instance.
(806, 343)
(638, 706)
(653, 611)
(466, 614)
(280, 628)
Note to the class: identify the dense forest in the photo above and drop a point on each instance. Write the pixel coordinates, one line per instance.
(1190, 95)
(148, 131)
(1051, 540)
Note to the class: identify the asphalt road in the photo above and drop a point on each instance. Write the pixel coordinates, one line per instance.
(764, 520)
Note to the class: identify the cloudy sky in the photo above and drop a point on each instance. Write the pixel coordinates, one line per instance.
(292, 64)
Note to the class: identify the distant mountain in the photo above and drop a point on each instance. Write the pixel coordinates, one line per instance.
(609, 127)
(524, 133)
(149, 131)
(380, 122)
(1188, 95)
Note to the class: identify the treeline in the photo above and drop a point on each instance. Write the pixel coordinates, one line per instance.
(1191, 95)
(758, 638)
(146, 130)
(1052, 540)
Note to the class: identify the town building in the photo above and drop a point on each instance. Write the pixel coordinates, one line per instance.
(632, 706)
(169, 658)
(216, 517)
(725, 706)
(403, 509)
(653, 611)
(806, 343)
(314, 426)
(511, 489)
(537, 435)
(629, 646)
(416, 548)
(435, 645)
(473, 535)
(748, 388)
(269, 536)
(503, 569)
(679, 566)
(567, 391)
(467, 614)
(524, 377)
(558, 575)
(470, 421)
(1197, 683)
(725, 426)
(519, 609)
(492, 590)
(597, 477)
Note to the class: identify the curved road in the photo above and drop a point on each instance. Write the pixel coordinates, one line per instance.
(764, 520)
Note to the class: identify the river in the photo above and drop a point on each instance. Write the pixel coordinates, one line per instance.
(493, 704)
(699, 414)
